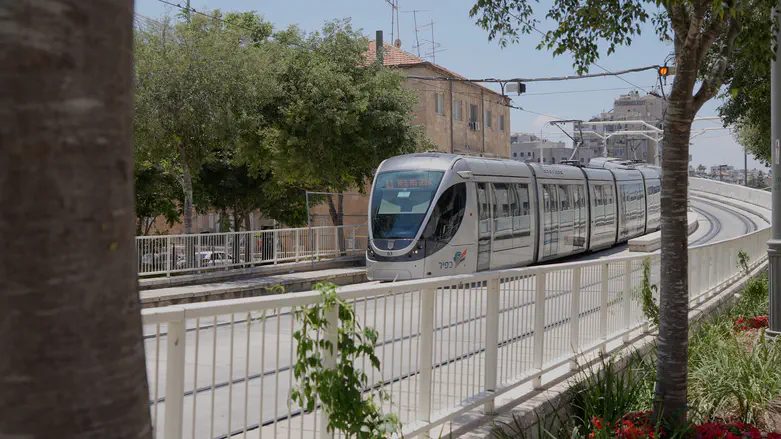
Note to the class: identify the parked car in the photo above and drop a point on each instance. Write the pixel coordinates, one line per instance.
(208, 259)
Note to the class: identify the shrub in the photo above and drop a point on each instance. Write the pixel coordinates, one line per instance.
(650, 307)
(754, 300)
(609, 394)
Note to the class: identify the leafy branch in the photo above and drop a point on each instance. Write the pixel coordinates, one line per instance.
(340, 388)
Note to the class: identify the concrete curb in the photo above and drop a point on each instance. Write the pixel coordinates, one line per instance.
(653, 241)
(246, 273)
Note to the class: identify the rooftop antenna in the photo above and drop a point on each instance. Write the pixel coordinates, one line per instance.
(435, 47)
(415, 20)
(395, 33)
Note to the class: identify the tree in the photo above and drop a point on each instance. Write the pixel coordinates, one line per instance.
(340, 115)
(200, 89)
(72, 363)
(156, 196)
(747, 104)
(707, 36)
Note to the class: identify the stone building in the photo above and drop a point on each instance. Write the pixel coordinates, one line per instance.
(459, 117)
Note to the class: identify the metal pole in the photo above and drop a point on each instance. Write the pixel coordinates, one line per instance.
(745, 168)
(774, 245)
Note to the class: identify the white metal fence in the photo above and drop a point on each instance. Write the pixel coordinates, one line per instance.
(446, 345)
(173, 254)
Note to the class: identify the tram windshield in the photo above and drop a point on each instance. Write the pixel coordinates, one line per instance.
(400, 201)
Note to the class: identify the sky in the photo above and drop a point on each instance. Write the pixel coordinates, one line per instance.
(465, 49)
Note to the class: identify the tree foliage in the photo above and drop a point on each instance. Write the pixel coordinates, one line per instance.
(251, 118)
(200, 88)
(339, 115)
(157, 195)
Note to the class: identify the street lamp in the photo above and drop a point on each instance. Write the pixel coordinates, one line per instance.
(774, 245)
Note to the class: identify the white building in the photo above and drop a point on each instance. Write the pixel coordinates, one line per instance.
(649, 108)
(530, 148)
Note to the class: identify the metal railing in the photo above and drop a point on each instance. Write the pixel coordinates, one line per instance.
(201, 252)
(446, 345)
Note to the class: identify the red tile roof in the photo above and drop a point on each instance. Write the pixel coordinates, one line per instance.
(394, 56)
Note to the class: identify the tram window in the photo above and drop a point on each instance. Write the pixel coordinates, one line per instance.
(447, 214)
(482, 196)
(597, 195)
(563, 198)
(502, 198)
(515, 205)
(400, 201)
(522, 191)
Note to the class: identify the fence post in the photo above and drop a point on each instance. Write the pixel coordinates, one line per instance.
(297, 242)
(169, 258)
(603, 308)
(174, 380)
(197, 252)
(539, 327)
(574, 317)
(428, 302)
(491, 340)
(317, 244)
(336, 241)
(694, 272)
(329, 357)
(627, 299)
(352, 236)
(274, 238)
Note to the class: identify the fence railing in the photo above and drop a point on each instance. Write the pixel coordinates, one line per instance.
(175, 254)
(446, 345)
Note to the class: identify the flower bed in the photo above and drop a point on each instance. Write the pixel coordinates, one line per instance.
(639, 426)
(744, 324)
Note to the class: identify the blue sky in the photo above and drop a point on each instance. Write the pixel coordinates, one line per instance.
(466, 50)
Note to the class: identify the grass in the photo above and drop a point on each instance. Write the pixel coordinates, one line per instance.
(736, 376)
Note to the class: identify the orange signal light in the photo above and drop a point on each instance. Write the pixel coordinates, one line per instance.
(664, 71)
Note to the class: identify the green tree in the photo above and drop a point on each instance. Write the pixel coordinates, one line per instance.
(747, 103)
(200, 89)
(707, 37)
(72, 351)
(340, 115)
(157, 194)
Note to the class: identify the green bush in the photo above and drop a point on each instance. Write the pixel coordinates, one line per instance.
(754, 300)
(609, 393)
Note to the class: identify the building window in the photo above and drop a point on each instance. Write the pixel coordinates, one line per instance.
(543, 159)
(457, 109)
(440, 103)
(473, 116)
(581, 160)
(515, 154)
(487, 118)
(501, 122)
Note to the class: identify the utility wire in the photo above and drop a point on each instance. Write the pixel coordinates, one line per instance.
(619, 76)
(542, 79)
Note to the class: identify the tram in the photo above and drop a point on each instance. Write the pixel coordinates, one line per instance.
(436, 214)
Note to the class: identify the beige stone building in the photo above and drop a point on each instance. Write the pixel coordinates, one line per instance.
(459, 117)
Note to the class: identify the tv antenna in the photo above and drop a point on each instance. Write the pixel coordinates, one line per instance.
(395, 33)
(417, 30)
(435, 47)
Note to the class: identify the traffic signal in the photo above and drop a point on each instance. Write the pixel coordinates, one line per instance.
(664, 71)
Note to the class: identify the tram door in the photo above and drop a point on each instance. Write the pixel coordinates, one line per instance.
(484, 227)
(550, 220)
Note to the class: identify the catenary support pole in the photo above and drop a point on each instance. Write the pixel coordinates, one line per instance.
(774, 245)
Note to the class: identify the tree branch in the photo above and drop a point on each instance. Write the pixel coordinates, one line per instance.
(679, 21)
(708, 37)
(710, 86)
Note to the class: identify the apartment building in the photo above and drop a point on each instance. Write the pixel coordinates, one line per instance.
(526, 147)
(648, 108)
(459, 117)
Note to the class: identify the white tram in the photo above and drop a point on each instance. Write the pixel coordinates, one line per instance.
(436, 214)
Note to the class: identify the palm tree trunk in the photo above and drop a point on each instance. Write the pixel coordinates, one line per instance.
(72, 362)
(673, 341)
